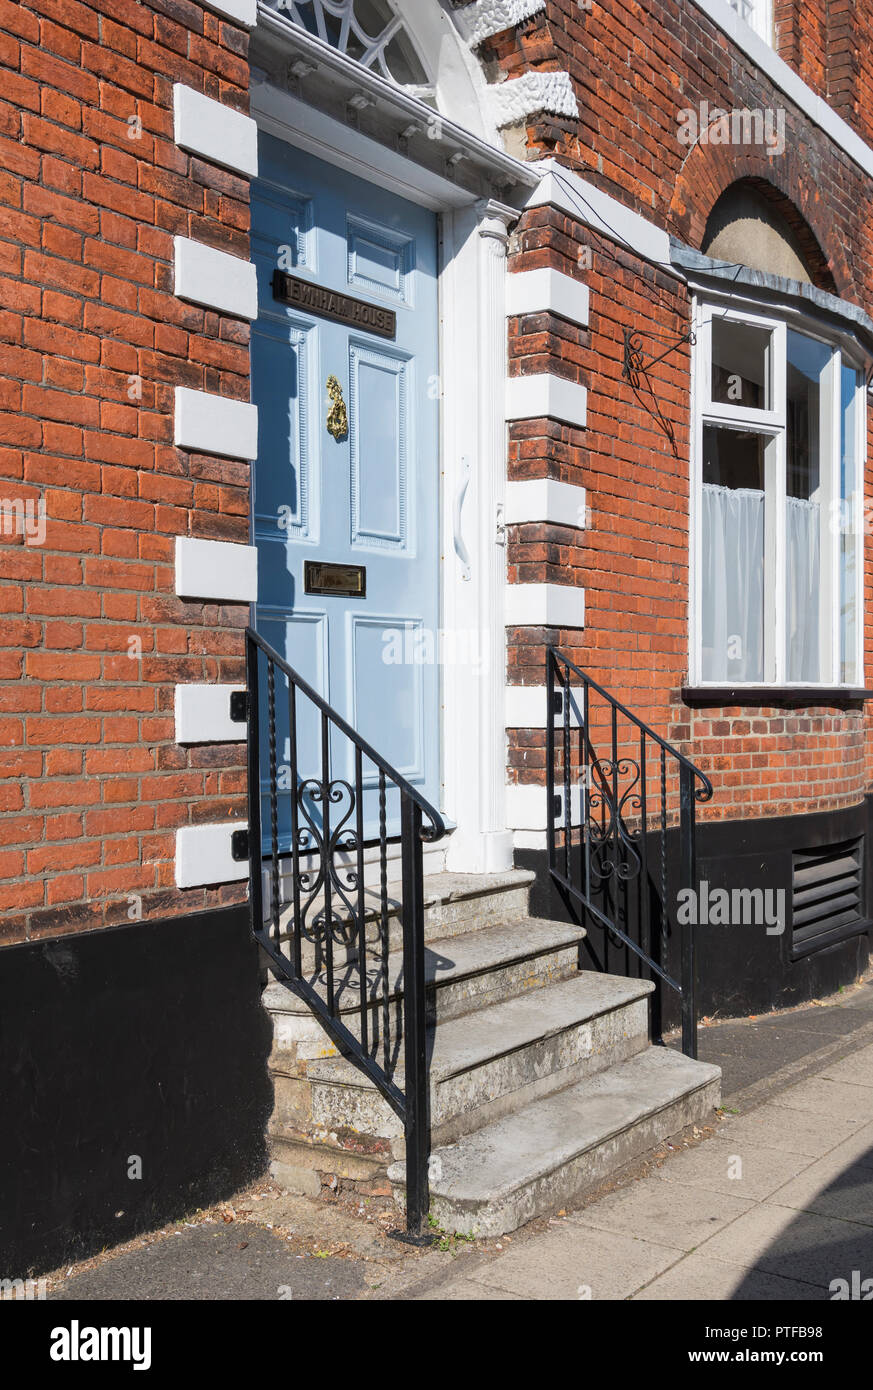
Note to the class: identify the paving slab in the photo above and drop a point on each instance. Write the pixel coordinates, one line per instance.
(857, 1068)
(836, 1099)
(669, 1214)
(774, 1126)
(797, 1245)
(572, 1263)
(469, 1291)
(718, 1166)
(834, 1186)
(700, 1279)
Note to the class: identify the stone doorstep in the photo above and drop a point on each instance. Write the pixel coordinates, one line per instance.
(453, 904)
(462, 973)
(484, 1064)
(554, 1150)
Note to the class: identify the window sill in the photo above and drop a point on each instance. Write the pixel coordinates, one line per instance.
(773, 694)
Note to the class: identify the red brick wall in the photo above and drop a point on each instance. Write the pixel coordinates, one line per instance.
(633, 561)
(93, 784)
(636, 64)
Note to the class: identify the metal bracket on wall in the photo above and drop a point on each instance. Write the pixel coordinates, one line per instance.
(239, 706)
(239, 846)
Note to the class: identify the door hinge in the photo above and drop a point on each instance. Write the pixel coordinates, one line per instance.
(239, 846)
(239, 706)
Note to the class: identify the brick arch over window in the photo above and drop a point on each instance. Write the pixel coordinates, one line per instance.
(710, 170)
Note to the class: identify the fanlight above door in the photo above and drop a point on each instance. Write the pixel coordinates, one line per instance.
(369, 31)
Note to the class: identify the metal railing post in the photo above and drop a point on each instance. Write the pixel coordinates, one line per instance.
(417, 1092)
(687, 876)
(256, 887)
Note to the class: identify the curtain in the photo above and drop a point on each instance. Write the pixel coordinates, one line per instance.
(732, 620)
(803, 542)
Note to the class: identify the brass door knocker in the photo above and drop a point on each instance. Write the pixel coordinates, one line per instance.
(337, 418)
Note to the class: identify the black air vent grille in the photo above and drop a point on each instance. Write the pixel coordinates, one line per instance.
(826, 894)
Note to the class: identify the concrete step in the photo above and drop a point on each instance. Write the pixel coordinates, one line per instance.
(462, 973)
(484, 1064)
(549, 1153)
(453, 904)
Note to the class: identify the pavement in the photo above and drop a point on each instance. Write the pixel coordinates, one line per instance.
(774, 1201)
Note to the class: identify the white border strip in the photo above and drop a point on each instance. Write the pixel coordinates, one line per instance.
(562, 188)
(244, 12)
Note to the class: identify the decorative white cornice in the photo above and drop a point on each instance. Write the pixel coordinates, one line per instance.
(519, 97)
(486, 17)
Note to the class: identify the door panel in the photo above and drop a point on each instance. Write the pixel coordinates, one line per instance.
(367, 498)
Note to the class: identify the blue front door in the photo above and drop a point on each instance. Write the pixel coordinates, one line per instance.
(347, 472)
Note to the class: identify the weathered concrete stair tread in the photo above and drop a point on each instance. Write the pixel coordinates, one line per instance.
(447, 961)
(462, 1044)
(491, 1164)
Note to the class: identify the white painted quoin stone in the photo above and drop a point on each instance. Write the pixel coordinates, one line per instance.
(546, 396)
(215, 278)
(526, 707)
(545, 499)
(216, 570)
(203, 714)
(213, 424)
(547, 291)
(545, 605)
(207, 128)
(204, 855)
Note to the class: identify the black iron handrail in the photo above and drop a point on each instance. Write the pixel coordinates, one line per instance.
(327, 910)
(595, 861)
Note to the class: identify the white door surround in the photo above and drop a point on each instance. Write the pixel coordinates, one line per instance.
(473, 352)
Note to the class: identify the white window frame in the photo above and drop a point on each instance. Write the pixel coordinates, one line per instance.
(761, 18)
(773, 422)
